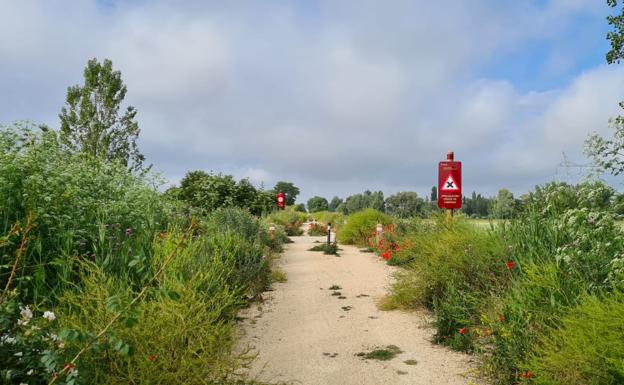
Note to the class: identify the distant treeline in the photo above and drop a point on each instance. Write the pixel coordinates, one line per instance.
(409, 204)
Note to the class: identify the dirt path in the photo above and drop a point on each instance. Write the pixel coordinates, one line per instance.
(305, 335)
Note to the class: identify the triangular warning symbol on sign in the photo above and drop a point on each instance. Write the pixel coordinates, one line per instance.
(450, 184)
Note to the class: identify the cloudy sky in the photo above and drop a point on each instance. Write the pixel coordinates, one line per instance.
(335, 96)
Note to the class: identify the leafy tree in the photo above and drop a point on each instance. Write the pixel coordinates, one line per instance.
(404, 204)
(335, 202)
(91, 122)
(607, 153)
(317, 203)
(434, 194)
(504, 204)
(368, 199)
(289, 189)
(300, 208)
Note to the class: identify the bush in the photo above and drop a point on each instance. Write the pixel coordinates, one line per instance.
(455, 268)
(586, 348)
(317, 229)
(360, 225)
(289, 220)
(80, 207)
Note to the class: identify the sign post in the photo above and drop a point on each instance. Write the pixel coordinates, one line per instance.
(328, 234)
(281, 200)
(449, 184)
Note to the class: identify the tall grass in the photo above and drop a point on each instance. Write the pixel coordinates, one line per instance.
(519, 292)
(361, 225)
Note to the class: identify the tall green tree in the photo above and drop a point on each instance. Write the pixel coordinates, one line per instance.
(404, 204)
(317, 203)
(91, 121)
(504, 204)
(289, 189)
(434, 194)
(334, 203)
(608, 154)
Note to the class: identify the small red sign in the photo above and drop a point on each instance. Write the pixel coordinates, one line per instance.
(281, 200)
(449, 184)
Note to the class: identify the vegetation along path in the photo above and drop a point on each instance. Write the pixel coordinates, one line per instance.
(322, 326)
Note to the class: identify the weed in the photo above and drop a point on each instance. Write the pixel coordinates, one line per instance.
(335, 287)
(278, 275)
(410, 362)
(382, 354)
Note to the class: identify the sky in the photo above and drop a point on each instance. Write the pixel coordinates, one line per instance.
(335, 96)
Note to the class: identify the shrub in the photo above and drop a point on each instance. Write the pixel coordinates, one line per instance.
(359, 226)
(290, 221)
(317, 229)
(81, 207)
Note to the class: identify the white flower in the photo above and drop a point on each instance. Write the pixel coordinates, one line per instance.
(49, 316)
(30, 372)
(26, 313)
(18, 354)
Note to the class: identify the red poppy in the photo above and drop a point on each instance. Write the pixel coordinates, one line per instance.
(510, 265)
(463, 331)
(151, 357)
(527, 374)
(501, 317)
(386, 255)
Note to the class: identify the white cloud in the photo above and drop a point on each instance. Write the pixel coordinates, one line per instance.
(336, 96)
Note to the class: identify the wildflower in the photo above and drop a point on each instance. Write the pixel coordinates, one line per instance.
(18, 354)
(527, 374)
(264, 257)
(386, 255)
(50, 316)
(510, 265)
(501, 317)
(7, 339)
(463, 331)
(26, 314)
(128, 232)
(151, 357)
(30, 372)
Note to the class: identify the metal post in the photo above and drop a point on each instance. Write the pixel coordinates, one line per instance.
(328, 234)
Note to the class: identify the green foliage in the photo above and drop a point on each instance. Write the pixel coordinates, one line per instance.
(477, 206)
(455, 268)
(206, 192)
(360, 225)
(317, 229)
(289, 219)
(316, 204)
(504, 205)
(300, 208)
(334, 203)
(405, 204)
(358, 202)
(289, 189)
(519, 292)
(90, 120)
(327, 217)
(83, 208)
(586, 348)
(327, 249)
(433, 197)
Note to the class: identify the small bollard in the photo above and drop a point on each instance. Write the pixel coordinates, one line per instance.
(272, 231)
(328, 234)
(379, 230)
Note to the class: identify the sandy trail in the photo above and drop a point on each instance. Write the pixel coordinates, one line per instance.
(301, 327)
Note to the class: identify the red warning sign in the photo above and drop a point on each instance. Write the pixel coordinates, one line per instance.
(281, 200)
(449, 184)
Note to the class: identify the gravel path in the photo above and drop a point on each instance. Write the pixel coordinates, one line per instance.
(305, 335)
